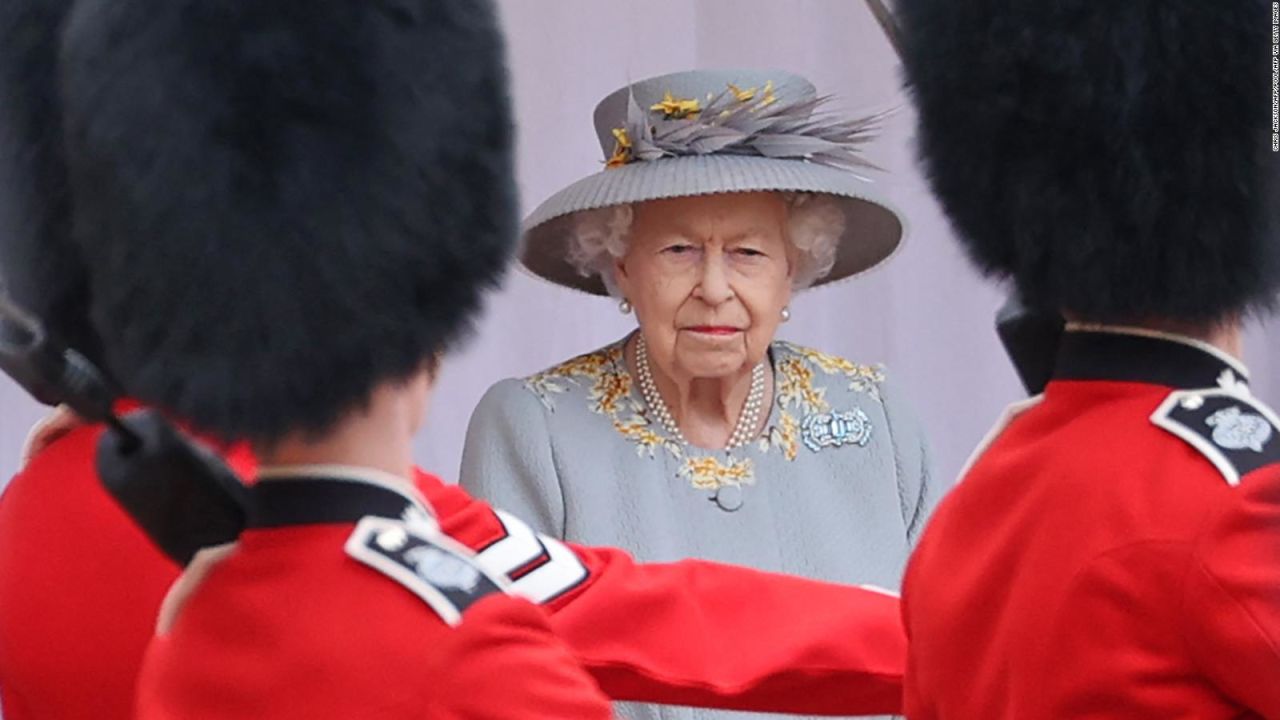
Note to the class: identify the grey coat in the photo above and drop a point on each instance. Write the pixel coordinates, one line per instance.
(837, 488)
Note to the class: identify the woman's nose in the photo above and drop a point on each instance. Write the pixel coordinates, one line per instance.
(714, 287)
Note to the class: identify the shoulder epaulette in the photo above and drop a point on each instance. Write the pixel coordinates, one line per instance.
(1233, 430)
(429, 564)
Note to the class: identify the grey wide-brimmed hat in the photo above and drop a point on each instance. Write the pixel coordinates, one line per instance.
(706, 132)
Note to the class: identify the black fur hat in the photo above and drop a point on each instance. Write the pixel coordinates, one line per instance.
(38, 266)
(1112, 157)
(279, 203)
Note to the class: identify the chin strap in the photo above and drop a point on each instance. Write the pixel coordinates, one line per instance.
(184, 497)
(1030, 337)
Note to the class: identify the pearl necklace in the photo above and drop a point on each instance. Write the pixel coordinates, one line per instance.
(744, 431)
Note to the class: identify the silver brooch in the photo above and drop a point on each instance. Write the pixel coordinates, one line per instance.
(834, 429)
(1236, 430)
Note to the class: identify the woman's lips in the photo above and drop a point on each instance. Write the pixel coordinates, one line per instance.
(714, 329)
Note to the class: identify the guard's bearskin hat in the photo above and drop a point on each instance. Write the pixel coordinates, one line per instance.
(1112, 157)
(267, 207)
(38, 266)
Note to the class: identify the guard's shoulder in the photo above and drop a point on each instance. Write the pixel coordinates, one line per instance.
(184, 588)
(439, 570)
(1232, 429)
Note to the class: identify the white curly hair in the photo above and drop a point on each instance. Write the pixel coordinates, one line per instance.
(815, 223)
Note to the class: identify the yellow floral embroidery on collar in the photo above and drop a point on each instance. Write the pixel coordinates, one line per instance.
(637, 430)
(795, 386)
(549, 382)
(707, 472)
(609, 390)
(608, 386)
(604, 376)
(784, 436)
(862, 378)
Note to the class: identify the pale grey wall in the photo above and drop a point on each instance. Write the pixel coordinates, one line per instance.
(925, 315)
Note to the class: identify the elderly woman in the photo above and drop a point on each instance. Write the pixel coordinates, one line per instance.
(700, 434)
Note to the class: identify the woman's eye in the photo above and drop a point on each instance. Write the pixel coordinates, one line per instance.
(748, 252)
(678, 249)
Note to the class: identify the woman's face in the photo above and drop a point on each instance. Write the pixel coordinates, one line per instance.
(708, 277)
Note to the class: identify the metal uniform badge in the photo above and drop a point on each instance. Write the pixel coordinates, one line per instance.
(835, 429)
(1229, 427)
(439, 570)
(1237, 430)
(442, 569)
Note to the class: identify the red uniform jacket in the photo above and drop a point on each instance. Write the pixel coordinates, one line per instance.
(80, 587)
(344, 600)
(1114, 552)
(82, 604)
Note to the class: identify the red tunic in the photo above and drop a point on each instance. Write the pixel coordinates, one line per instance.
(689, 632)
(80, 586)
(311, 616)
(1114, 552)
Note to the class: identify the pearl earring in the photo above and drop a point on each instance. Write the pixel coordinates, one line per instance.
(786, 314)
(624, 307)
